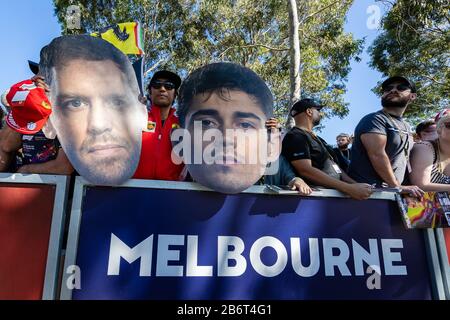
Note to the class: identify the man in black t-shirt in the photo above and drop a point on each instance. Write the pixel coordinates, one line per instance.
(342, 151)
(312, 158)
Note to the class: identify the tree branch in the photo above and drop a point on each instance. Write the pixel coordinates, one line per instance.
(252, 46)
(433, 80)
(318, 11)
(156, 65)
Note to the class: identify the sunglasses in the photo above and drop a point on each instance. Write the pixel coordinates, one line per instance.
(399, 87)
(159, 84)
(294, 113)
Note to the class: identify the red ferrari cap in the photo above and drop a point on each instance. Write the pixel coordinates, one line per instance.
(30, 107)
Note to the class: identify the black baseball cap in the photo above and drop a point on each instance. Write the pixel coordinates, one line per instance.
(393, 79)
(302, 105)
(169, 75)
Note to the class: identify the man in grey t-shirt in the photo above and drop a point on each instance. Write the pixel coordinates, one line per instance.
(383, 139)
(398, 143)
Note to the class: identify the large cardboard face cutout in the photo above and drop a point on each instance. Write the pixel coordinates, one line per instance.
(96, 115)
(223, 108)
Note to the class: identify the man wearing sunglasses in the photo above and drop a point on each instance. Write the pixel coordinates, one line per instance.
(383, 140)
(156, 162)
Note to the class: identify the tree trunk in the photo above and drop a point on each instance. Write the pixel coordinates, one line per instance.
(294, 50)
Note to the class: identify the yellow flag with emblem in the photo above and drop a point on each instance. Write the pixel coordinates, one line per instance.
(127, 37)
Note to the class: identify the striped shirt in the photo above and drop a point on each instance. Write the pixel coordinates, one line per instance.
(436, 175)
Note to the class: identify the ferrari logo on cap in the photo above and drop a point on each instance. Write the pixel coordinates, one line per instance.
(46, 105)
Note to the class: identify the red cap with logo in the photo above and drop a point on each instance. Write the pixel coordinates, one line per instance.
(30, 107)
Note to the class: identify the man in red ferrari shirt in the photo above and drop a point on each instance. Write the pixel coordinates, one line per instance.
(156, 160)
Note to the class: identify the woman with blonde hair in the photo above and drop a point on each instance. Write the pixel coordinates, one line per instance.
(430, 160)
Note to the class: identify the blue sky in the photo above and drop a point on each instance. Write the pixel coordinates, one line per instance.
(31, 24)
(361, 78)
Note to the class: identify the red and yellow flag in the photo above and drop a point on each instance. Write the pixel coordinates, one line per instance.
(127, 37)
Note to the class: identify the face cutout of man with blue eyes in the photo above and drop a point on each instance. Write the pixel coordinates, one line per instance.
(96, 115)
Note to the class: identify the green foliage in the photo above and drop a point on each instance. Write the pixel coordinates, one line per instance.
(183, 35)
(415, 43)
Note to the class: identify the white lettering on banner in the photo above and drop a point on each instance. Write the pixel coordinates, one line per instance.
(360, 255)
(255, 256)
(331, 260)
(225, 255)
(313, 257)
(118, 249)
(165, 255)
(232, 262)
(192, 267)
(389, 257)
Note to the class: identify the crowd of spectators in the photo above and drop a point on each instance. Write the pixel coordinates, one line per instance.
(384, 150)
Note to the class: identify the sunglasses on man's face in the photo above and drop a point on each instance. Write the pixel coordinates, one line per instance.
(294, 113)
(399, 87)
(166, 84)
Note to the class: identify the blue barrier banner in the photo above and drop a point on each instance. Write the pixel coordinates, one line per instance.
(139, 243)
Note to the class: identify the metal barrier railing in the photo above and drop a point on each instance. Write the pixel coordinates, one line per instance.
(434, 241)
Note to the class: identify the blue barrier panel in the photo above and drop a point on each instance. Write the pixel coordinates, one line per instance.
(150, 243)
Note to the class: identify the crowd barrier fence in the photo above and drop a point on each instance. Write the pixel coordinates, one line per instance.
(167, 240)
